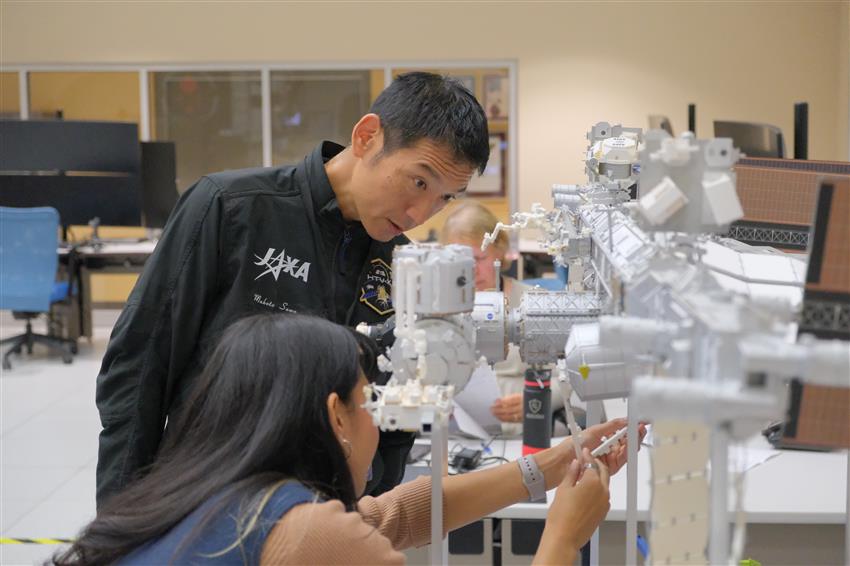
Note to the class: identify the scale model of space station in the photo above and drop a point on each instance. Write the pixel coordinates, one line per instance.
(698, 331)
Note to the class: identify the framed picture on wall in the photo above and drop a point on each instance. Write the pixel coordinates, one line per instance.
(496, 97)
(491, 183)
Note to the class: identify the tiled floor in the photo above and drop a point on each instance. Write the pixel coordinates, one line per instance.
(48, 444)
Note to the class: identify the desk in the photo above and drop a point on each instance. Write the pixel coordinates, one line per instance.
(794, 503)
(795, 487)
(82, 261)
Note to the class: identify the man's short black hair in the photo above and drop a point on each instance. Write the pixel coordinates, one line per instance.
(440, 109)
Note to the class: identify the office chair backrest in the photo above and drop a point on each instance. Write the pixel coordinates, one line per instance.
(660, 122)
(28, 257)
(755, 140)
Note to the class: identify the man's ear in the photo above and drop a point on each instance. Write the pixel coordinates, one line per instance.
(336, 412)
(367, 135)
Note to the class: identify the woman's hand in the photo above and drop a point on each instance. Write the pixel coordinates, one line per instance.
(592, 437)
(581, 502)
(508, 409)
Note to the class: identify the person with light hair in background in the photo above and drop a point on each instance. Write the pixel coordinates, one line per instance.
(466, 224)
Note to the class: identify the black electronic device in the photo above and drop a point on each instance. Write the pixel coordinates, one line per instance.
(466, 459)
(692, 118)
(159, 182)
(86, 170)
(79, 199)
(801, 130)
(62, 145)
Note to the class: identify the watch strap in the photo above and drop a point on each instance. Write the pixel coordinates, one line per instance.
(532, 478)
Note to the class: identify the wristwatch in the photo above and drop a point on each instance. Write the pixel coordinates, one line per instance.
(532, 478)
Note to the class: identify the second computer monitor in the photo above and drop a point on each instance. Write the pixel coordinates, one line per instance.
(85, 170)
(159, 182)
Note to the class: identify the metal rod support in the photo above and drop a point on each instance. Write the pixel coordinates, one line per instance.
(594, 416)
(847, 517)
(631, 486)
(439, 454)
(718, 544)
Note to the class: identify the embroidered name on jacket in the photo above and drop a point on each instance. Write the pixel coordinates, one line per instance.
(282, 263)
(377, 287)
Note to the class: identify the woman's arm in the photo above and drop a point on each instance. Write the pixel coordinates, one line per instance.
(403, 514)
(468, 497)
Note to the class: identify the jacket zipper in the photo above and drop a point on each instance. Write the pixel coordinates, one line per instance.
(343, 249)
(370, 255)
(338, 267)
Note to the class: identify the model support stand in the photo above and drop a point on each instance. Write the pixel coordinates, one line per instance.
(660, 308)
(439, 458)
(631, 488)
(432, 357)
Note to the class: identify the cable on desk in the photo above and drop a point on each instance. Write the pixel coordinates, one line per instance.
(493, 459)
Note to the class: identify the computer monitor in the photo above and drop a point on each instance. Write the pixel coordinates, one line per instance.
(755, 140)
(63, 145)
(159, 182)
(79, 199)
(85, 170)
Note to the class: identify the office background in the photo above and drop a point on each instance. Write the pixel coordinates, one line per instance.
(577, 63)
(570, 65)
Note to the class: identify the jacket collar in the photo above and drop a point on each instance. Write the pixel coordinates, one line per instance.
(321, 192)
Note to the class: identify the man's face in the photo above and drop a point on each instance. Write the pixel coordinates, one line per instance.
(398, 191)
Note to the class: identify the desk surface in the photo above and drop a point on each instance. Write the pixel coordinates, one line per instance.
(108, 249)
(795, 487)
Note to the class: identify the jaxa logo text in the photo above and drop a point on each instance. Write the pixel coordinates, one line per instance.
(282, 263)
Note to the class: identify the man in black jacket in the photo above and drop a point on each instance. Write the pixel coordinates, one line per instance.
(313, 238)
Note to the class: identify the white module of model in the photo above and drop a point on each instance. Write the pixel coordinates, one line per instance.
(434, 351)
(697, 330)
(692, 327)
(432, 357)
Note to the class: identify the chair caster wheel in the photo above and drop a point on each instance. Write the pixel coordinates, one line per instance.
(67, 359)
(7, 365)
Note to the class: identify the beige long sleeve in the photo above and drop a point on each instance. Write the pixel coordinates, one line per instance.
(324, 533)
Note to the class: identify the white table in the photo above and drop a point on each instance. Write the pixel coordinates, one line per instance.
(795, 505)
(108, 257)
(795, 487)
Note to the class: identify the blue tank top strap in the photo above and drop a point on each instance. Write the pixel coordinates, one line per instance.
(208, 546)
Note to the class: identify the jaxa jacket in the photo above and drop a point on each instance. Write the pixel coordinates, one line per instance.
(269, 240)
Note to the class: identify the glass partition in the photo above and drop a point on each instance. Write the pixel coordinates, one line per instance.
(309, 106)
(214, 119)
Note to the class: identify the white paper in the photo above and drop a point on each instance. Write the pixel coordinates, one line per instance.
(479, 395)
(467, 425)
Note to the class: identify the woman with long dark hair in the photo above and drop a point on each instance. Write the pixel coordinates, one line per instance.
(268, 461)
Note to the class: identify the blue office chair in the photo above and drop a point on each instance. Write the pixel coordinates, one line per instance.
(28, 286)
